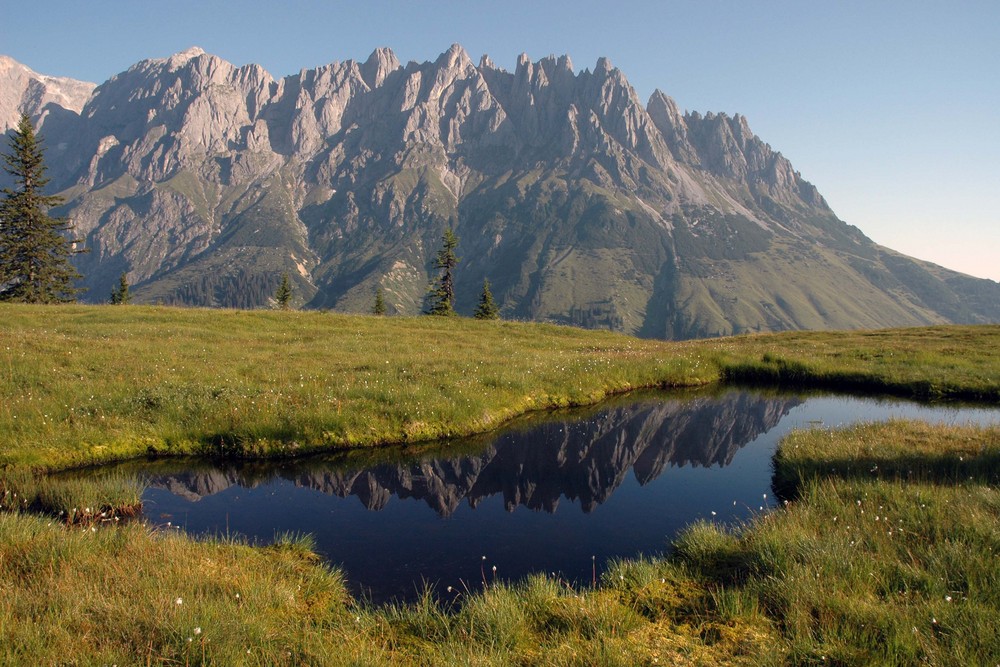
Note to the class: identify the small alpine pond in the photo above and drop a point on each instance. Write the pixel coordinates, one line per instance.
(561, 492)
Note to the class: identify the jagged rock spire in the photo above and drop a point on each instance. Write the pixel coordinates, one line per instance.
(379, 65)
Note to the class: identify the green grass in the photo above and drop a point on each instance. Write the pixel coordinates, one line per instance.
(84, 385)
(820, 581)
(91, 384)
(955, 362)
(134, 596)
(888, 555)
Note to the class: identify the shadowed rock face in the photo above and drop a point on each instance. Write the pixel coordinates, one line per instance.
(205, 181)
(583, 461)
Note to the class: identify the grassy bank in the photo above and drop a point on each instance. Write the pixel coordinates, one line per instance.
(91, 384)
(893, 564)
(928, 363)
(887, 556)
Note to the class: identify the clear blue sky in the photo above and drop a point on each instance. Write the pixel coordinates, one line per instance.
(892, 109)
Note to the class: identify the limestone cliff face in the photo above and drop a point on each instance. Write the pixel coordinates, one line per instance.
(205, 181)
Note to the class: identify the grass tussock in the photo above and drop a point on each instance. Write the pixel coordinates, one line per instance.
(96, 499)
(887, 555)
(132, 596)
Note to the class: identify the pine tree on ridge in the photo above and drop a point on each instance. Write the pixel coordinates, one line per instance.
(487, 309)
(442, 296)
(120, 295)
(283, 295)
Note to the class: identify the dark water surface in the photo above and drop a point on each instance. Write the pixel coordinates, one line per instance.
(546, 494)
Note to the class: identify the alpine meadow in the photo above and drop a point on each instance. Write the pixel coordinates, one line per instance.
(384, 265)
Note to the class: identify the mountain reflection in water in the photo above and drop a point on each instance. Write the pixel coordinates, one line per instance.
(640, 469)
(584, 461)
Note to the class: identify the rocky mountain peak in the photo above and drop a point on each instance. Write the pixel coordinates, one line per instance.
(22, 90)
(182, 58)
(456, 57)
(379, 65)
(164, 114)
(485, 62)
(669, 120)
(552, 64)
(603, 66)
(666, 104)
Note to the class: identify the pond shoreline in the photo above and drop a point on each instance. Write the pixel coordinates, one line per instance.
(189, 381)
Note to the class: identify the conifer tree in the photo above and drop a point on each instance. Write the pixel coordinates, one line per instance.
(487, 309)
(379, 307)
(120, 295)
(34, 252)
(441, 299)
(283, 295)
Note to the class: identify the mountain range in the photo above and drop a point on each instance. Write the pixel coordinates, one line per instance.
(204, 182)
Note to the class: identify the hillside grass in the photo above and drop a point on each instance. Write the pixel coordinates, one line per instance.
(84, 385)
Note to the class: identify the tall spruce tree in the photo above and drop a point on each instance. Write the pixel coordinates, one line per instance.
(120, 295)
(441, 299)
(487, 308)
(34, 250)
(283, 295)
